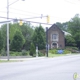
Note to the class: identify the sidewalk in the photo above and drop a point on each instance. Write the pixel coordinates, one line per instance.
(24, 59)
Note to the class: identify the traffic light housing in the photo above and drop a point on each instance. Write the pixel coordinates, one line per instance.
(20, 23)
(48, 18)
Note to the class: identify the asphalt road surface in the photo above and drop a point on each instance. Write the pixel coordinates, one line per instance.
(59, 68)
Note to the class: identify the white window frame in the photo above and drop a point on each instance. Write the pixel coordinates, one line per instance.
(55, 37)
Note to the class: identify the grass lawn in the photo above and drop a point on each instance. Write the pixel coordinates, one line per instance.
(56, 55)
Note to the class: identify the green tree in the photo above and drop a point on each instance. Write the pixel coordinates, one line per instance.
(39, 37)
(69, 40)
(17, 42)
(32, 50)
(74, 29)
(59, 25)
(74, 24)
(1, 41)
(12, 30)
(27, 32)
(3, 31)
(65, 26)
(62, 26)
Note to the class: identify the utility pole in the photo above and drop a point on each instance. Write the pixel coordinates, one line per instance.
(8, 26)
(47, 41)
(8, 29)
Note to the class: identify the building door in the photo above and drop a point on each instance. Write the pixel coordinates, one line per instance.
(54, 45)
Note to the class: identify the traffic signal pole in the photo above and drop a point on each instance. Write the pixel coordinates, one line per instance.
(47, 41)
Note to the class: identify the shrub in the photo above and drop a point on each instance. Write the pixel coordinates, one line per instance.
(66, 51)
(15, 53)
(41, 54)
(32, 50)
(72, 49)
(24, 52)
(53, 51)
(3, 52)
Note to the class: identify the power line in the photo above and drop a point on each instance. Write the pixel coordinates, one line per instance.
(71, 2)
(24, 11)
(24, 18)
(16, 13)
(58, 17)
(25, 21)
(2, 11)
(5, 17)
(20, 14)
(32, 13)
(35, 17)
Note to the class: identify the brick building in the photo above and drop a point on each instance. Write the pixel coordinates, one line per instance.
(56, 37)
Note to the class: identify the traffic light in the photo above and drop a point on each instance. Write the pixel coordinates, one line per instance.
(20, 23)
(48, 18)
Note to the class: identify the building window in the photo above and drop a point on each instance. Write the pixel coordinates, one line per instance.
(60, 46)
(55, 37)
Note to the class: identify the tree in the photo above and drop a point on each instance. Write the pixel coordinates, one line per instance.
(62, 26)
(17, 42)
(69, 40)
(3, 32)
(74, 24)
(39, 37)
(32, 50)
(12, 30)
(74, 29)
(59, 25)
(65, 26)
(1, 41)
(27, 32)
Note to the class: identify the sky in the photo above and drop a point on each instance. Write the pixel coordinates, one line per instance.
(58, 10)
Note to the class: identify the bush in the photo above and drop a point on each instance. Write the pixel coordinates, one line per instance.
(15, 53)
(53, 51)
(72, 49)
(32, 50)
(3, 52)
(66, 51)
(41, 54)
(25, 53)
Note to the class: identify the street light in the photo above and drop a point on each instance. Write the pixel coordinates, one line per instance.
(8, 25)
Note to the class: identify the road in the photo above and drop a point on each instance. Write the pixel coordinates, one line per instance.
(58, 68)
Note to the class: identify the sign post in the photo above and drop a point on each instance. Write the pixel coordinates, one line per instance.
(36, 50)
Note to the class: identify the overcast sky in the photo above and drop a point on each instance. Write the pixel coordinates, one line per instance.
(59, 10)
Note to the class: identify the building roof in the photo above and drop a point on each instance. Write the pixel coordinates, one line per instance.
(66, 33)
(54, 25)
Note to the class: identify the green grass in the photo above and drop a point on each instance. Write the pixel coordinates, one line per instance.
(56, 55)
